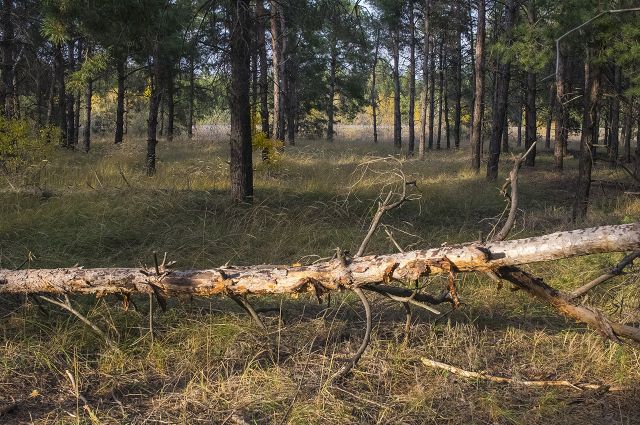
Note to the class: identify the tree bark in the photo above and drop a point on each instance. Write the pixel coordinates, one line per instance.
(88, 95)
(62, 93)
(614, 130)
(171, 110)
(191, 96)
(531, 129)
(6, 91)
(397, 118)
(552, 107)
(374, 93)
(333, 65)
(154, 104)
(478, 95)
(440, 93)
(458, 90)
(499, 118)
(120, 69)
(264, 66)
(71, 128)
(292, 106)
(562, 117)
(628, 119)
(432, 92)
(326, 276)
(277, 48)
(589, 132)
(241, 168)
(425, 80)
(412, 79)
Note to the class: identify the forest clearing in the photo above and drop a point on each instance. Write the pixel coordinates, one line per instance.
(319, 211)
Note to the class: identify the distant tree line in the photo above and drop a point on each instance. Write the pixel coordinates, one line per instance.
(451, 73)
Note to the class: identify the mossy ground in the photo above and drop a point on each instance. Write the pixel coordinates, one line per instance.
(209, 364)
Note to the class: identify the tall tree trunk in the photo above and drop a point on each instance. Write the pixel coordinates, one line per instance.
(505, 133)
(6, 91)
(154, 104)
(447, 123)
(425, 80)
(191, 96)
(440, 92)
(71, 131)
(628, 130)
(589, 131)
(562, 117)
(241, 167)
(88, 94)
(519, 139)
(478, 95)
(292, 106)
(458, 90)
(264, 66)
(531, 129)
(374, 92)
(432, 91)
(121, 74)
(614, 132)
(62, 93)
(397, 118)
(500, 100)
(412, 79)
(171, 110)
(278, 47)
(333, 65)
(552, 107)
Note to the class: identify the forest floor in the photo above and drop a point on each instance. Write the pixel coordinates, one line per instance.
(208, 363)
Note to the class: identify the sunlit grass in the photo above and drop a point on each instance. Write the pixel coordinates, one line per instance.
(208, 362)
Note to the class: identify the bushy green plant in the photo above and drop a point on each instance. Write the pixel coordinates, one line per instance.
(271, 148)
(21, 146)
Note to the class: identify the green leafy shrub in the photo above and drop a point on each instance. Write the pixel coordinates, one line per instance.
(271, 148)
(22, 146)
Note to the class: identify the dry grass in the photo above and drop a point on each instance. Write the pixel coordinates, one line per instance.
(210, 364)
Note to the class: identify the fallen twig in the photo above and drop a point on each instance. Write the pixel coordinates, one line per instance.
(503, 380)
(615, 271)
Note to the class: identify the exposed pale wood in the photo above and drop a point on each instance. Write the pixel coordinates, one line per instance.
(503, 380)
(327, 276)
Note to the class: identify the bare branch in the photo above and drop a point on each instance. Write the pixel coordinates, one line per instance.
(615, 271)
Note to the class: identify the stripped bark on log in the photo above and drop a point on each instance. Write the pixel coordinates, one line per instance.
(327, 276)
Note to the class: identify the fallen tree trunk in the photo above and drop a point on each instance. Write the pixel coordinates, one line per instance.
(339, 273)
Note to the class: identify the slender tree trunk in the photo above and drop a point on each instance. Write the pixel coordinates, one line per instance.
(191, 96)
(240, 160)
(478, 96)
(121, 73)
(562, 116)
(432, 91)
(397, 118)
(333, 65)
(505, 134)
(519, 140)
(628, 130)
(264, 67)
(412, 79)
(447, 123)
(292, 106)
(88, 94)
(6, 91)
(531, 129)
(161, 125)
(171, 110)
(614, 132)
(440, 92)
(374, 92)
(154, 104)
(552, 107)
(62, 93)
(589, 131)
(425, 80)
(500, 100)
(276, 58)
(71, 100)
(458, 90)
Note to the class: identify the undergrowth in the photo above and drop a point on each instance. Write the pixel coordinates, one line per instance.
(209, 364)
